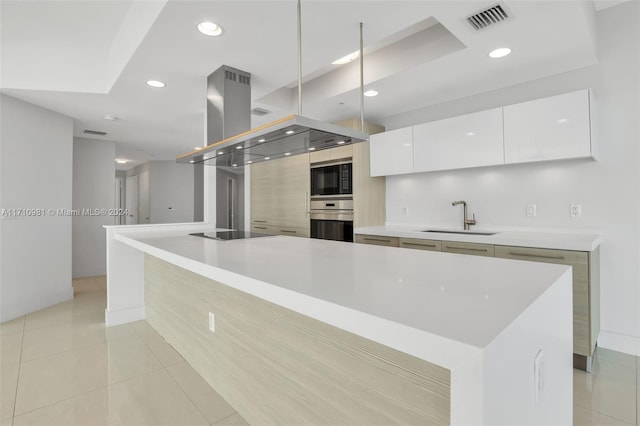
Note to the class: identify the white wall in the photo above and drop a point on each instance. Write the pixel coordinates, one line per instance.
(93, 188)
(170, 192)
(608, 189)
(36, 149)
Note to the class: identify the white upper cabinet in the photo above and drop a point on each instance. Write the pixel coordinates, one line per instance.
(548, 129)
(469, 140)
(392, 152)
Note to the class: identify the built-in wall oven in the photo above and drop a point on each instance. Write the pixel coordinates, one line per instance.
(331, 178)
(332, 219)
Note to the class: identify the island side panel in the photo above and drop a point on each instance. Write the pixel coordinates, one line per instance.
(510, 369)
(276, 366)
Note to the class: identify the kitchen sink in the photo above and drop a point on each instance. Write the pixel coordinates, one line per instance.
(445, 231)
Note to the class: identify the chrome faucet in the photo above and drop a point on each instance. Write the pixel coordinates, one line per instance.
(466, 222)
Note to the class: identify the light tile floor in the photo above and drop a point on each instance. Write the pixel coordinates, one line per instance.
(61, 366)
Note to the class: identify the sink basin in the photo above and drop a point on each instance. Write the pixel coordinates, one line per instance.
(445, 231)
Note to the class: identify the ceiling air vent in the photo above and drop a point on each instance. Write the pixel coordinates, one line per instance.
(260, 111)
(94, 132)
(487, 17)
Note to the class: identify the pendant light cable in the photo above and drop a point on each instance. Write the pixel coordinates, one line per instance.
(299, 58)
(361, 81)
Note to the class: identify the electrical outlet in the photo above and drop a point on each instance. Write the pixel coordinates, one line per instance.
(531, 210)
(405, 211)
(538, 375)
(575, 210)
(212, 322)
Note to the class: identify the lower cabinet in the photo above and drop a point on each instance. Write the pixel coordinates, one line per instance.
(468, 248)
(420, 244)
(586, 289)
(377, 240)
(586, 280)
(291, 231)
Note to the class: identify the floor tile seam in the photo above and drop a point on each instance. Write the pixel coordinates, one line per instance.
(155, 353)
(186, 394)
(96, 389)
(611, 415)
(57, 324)
(79, 348)
(15, 396)
(224, 418)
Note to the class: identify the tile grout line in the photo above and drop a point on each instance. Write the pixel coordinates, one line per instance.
(15, 397)
(224, 418)
(187, 395)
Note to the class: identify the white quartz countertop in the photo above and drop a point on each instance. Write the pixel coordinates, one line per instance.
(440, 307)
(550, 240)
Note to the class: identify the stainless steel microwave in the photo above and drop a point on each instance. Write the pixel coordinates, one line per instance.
(333, 178)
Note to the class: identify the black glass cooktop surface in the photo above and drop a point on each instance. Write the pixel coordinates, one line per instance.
(229, 235)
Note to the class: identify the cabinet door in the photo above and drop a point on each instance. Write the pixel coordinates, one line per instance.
(392, 152)
(261, 186)
(420, 244)
(337, 153)
(290, 192)
(377, 240)
(470, 140)
(579, 261)
(548, 129)
(468, 248)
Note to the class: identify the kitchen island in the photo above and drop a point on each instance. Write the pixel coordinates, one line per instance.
(316, 332)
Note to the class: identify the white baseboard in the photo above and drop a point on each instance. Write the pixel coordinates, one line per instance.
(619, 342)
(123, 316)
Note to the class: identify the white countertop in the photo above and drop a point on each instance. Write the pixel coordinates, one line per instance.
(549, 240)
(440, 307)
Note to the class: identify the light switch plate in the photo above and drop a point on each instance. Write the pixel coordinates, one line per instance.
(531, 210)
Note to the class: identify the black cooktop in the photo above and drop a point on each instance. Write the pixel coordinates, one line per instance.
(229, 235)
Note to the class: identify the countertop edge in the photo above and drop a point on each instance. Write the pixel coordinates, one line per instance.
(575, 242)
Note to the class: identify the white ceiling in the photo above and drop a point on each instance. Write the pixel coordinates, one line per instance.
(90, 58)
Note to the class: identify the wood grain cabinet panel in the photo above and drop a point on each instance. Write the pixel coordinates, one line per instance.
(377, 240)
(420, 244)
(276, 366)
(468, 248)
(586, 290)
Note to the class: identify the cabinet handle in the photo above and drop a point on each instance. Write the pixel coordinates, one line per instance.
(418, 244)
(290, 232)
(541, 256)
(260, 227)
(376, 239)
(466, 248)
(260, 221)
(306, 203)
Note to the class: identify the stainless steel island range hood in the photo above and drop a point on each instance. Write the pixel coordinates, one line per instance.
(290, 135)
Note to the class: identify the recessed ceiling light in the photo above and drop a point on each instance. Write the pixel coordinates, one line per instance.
(267, 158)
(220, 153)
(500, 52)
(371, 93)
(346, 59)
(191, 161)
(261, 140)
(210, 29)
(312, 149)
(562, 121)
(198, 148)
(110, 117)
(234, 165)
(121, 161)
(340, 142)
(470, 134)
(155, 83)
(239, 147)
(249, 162)
(287, 153)
(290, 132)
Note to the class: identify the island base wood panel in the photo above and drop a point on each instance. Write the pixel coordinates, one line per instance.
(275, 366)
